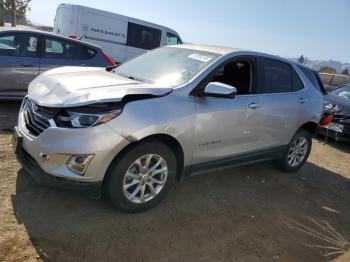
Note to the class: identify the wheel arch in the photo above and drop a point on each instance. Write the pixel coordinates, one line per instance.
(310, 126)
(173, 144)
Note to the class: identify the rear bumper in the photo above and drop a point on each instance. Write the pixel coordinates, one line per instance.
(337, 136)
(31, 167)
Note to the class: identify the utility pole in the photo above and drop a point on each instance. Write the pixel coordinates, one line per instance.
(2, 13)
(13, 7)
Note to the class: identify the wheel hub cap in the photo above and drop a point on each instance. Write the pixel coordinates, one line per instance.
(297, 151)
(145, 178)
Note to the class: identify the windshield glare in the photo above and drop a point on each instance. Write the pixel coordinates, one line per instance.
(167, 66)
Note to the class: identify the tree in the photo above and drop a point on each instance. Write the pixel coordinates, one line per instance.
(2, 13)
(22, 6)
(345, 72)
(301, 59)
(328, 69)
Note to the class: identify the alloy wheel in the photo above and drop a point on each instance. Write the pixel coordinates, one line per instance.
(145, 178)
(297, 151)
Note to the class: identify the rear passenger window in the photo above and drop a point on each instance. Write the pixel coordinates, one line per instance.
(277, 77)
(144, 37)
(60, 49)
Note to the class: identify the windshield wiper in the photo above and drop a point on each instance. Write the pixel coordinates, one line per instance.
(110, 68)
(134, 78)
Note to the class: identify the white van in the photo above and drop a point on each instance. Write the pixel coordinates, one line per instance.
(121, 37)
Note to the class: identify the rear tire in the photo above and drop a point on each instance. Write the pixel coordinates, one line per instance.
(297, 152)
(141, 177)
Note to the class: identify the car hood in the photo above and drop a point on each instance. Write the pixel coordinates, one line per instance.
(78, 86)
(343, 103)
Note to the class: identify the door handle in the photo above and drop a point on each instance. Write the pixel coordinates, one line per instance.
(254, 105)
(26, 65)
(303, 100)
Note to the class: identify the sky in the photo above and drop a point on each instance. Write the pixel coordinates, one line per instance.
(318, 29)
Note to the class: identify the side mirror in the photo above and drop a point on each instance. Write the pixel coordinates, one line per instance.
(216, 89)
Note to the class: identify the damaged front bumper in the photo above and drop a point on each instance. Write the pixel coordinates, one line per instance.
(48, 156)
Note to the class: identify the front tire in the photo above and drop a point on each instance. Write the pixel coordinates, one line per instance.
(297, 152)
(141, 177)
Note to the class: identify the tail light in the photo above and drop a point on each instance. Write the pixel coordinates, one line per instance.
(72, 36)
(108, 60)
(326, 120)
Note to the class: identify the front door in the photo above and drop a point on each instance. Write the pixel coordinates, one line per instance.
(226, 127)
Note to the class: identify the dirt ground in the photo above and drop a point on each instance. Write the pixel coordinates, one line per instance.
(251, 213)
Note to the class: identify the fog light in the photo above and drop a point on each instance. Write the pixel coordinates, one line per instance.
(79, 163)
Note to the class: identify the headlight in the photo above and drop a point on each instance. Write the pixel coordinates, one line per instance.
(79, 120)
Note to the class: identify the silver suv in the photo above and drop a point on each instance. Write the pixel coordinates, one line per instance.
(175, 111)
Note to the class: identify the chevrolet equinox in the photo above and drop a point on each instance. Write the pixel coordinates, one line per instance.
(133, 130)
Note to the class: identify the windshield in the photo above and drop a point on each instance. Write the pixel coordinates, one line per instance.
(343, 91)
(167, 66)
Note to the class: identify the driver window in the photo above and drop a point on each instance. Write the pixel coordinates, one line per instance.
(238, 74)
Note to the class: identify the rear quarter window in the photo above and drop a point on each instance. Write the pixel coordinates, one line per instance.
(313, 77)
(172, 39)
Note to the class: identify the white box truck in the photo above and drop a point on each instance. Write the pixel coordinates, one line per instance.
(121, 37)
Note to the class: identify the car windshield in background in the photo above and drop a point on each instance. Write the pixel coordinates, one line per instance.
(343, 91)
(167, 66)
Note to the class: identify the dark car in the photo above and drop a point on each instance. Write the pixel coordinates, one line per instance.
(26, 53)
(338, 101)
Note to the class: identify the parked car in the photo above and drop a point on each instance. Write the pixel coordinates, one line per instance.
(172, 112)
(332, 81)
(338, 101)
(26, 53)
(122, 37)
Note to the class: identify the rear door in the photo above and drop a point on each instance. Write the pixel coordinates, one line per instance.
(282, 97)
(141, 38)
(58, 52)
(19, 62)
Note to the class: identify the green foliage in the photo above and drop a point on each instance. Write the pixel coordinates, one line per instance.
(328, 69)
(22, 6)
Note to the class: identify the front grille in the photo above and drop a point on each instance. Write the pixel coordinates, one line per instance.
(35, 121)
